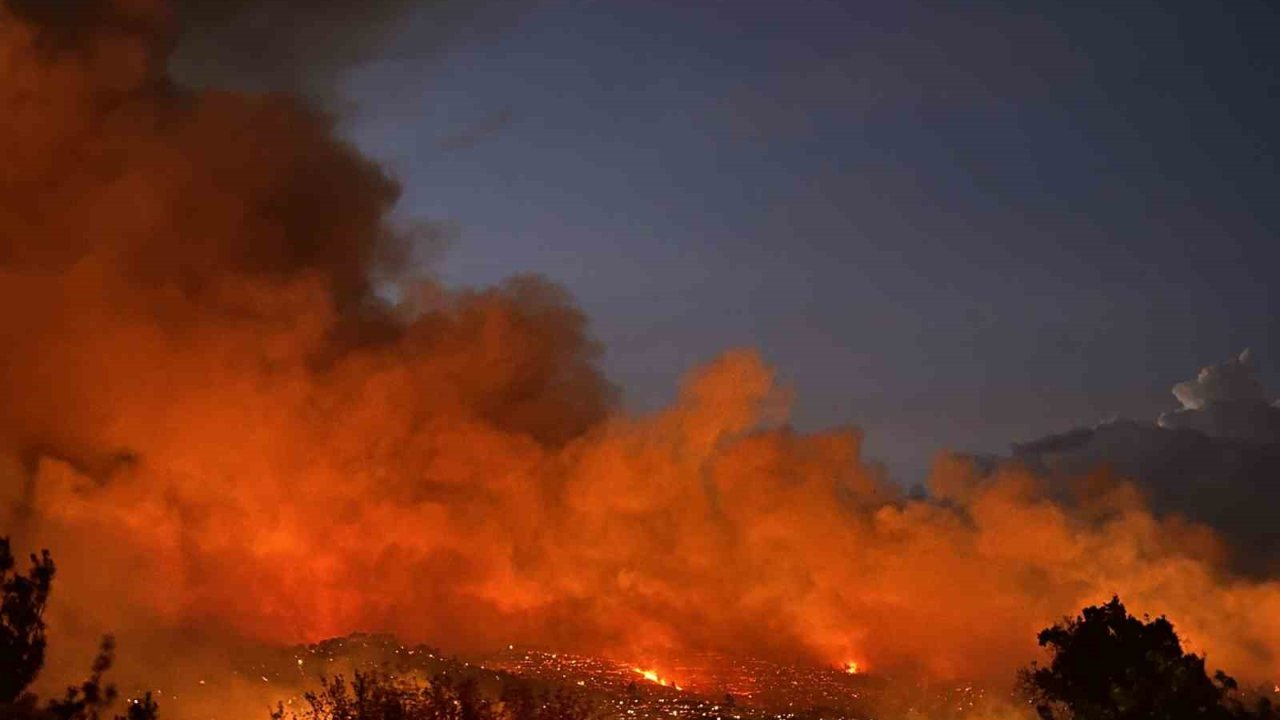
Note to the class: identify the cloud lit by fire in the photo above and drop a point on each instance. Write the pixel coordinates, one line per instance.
(214, 422)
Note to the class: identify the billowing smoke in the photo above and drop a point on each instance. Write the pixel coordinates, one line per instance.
(220, 430)
(1232, 381)
(1216, 460)
(1226, 401)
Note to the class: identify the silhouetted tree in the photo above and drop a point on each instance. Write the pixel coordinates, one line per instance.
(22, 647)
(143, 708)
(1109, 665)
(471, 704)
(22, 630)
(89, 699)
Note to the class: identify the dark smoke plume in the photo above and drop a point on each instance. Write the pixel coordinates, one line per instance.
(305, 46)
(222, 432)
(1215, 460)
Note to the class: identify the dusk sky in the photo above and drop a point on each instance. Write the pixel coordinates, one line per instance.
(1003, 260)
(954, 226)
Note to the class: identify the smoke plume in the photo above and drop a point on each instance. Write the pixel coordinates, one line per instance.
(1226, 401)
(219, 429)
(1215, 460)
(306, 46)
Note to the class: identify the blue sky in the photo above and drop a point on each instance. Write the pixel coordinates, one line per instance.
(953, 226)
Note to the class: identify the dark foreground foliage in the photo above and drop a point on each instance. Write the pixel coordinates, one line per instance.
(22, 632)
(23, 598)
(1109, 665)
(378, 696)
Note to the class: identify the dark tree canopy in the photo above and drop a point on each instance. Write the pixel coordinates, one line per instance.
(22, 630)
(1109, 665)
(22, 647)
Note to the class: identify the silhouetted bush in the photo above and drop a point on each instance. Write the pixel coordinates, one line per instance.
(1109, 665)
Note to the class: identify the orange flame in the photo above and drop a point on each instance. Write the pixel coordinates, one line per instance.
(852, 667)
(653, 677)
(259, 426)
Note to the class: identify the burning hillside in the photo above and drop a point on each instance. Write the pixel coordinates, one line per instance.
(710, 685)
(228, 438)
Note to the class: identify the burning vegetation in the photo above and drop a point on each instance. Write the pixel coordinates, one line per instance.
(1104, 663)
(229, 439)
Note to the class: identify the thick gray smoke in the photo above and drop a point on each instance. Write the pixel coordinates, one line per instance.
(1216, 460)
(1226, 401)
(1234, 381)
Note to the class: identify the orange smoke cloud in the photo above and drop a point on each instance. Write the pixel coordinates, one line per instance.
(214, 422)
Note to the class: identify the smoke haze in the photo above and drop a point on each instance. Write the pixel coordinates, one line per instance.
(306, 46)
(218, 428)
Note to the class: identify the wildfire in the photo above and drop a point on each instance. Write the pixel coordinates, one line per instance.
(852, 668)
(653, 677)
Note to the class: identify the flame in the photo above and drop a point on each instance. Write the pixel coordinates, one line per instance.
(653, 677)
(852, 667)
(204, 390)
